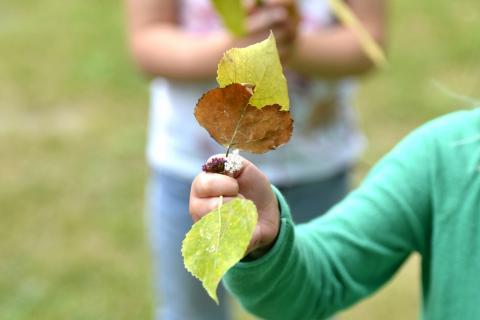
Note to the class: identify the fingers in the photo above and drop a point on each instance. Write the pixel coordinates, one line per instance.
(264, 19)
(199, 207)
(207, 190)
(275, 17)
(210, 189)
(214, 185)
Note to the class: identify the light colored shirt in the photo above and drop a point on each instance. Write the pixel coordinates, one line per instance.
(325, 139)
(424, 197)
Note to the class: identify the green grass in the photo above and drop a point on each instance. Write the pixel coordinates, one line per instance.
(73, 113)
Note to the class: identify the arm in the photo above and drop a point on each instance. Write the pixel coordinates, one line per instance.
(336, 52)
(316, 269)
(161, 47)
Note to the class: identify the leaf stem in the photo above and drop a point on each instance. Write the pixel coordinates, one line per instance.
(220, 203)
(236, 130)
(228, 151)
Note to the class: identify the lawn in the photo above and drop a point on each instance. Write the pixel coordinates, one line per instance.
(73, 115)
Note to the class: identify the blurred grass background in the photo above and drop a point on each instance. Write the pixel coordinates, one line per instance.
(73, 114)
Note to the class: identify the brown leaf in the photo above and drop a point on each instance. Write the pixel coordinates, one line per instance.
(232, 122)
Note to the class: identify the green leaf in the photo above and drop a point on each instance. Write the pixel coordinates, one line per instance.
(233, 15)
(218, 241)
(259, 66)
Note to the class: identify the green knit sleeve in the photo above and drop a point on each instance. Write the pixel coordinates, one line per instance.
(318, 268)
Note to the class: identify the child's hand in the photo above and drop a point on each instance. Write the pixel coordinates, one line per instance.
(274, 15)
(249, 183)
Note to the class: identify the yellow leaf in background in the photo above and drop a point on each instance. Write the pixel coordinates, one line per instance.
(218, 241)
(369, 45)
(257, 65)
(233, 15)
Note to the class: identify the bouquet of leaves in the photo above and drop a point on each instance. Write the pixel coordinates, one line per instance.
(249, 112)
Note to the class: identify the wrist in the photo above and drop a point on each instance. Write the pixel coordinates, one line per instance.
(261, 251)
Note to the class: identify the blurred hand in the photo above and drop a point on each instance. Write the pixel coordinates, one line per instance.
(278, 16)
(249, 183)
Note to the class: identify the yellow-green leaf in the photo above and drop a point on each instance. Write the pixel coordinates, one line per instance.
(218, 241)
(257, 65)
(233, 15)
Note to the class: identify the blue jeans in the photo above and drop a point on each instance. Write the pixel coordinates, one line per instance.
(179, 295)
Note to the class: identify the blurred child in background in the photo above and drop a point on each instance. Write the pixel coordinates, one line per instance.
(179, 43)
